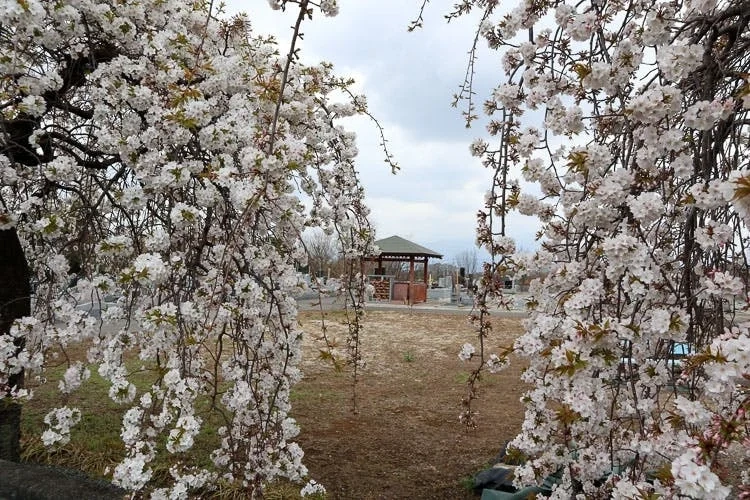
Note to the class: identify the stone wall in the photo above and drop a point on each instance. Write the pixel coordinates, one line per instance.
(382, 288)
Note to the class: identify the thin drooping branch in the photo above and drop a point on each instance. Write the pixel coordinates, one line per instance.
(290, 58)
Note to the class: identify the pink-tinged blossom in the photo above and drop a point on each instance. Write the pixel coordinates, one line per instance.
(506, 95)
(713, 235)
(478, 147)
(563, 14)
(599, 77)
(694, 412)
(677, 61)
(696, 480)
(704, 114)
(645, 207)
(580, 26)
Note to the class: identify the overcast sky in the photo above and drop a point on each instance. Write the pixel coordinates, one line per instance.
(409, 80)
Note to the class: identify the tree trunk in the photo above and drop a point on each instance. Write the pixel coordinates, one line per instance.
(15, 302)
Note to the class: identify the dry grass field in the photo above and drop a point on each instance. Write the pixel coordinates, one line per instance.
(405, 440)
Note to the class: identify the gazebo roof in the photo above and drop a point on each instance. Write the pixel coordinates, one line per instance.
(398, 246)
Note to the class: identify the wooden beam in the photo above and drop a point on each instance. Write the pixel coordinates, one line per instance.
(392, 258)
(410, 292)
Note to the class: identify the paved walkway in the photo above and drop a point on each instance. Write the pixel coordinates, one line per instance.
(441, 308)
(312, 302)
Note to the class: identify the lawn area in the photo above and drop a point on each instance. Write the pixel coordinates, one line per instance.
(405, 440)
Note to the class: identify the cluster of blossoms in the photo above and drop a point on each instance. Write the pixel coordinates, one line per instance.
(634, 342)
(59, 423)
(153, 170)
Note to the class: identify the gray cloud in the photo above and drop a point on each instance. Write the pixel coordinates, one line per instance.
(409, 79)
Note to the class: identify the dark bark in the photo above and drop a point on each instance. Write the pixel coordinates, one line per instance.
(15, 302)
(15, 141)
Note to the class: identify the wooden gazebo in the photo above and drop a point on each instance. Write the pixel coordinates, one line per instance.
(397, 249)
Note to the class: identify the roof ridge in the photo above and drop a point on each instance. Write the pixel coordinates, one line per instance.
(398, 245)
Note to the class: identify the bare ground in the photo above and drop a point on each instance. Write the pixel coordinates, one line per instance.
(405, 440)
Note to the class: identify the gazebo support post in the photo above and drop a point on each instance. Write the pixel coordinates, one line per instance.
(410, 292)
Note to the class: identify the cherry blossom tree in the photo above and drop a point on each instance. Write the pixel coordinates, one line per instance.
(631, 119)
(154, 159)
